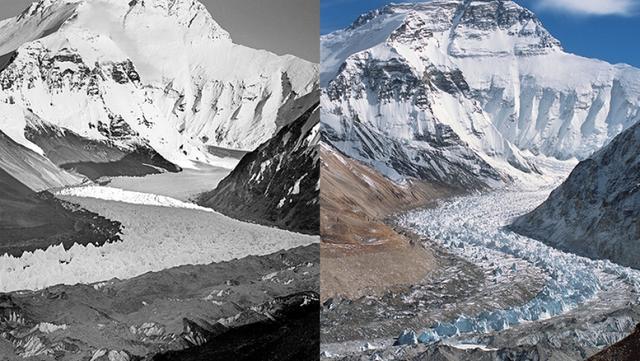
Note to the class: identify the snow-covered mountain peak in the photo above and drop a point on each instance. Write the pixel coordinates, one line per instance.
(441, 28)
(498, 28)
(189, 17)
(463, 18)
(485, 70)
(45, 17)
(164, 38)
(156, 72)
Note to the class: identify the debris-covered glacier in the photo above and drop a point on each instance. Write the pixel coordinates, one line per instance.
(473, 228)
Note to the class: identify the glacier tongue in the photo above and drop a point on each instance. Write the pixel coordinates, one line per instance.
(159, 232)
(473, 228)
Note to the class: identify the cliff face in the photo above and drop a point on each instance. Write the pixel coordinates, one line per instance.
(596, 211)
(470, 93)
(277, 184)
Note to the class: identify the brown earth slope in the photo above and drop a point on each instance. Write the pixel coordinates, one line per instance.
(627, 349)
(360, 253)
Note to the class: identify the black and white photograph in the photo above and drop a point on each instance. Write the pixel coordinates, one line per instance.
(159, 180)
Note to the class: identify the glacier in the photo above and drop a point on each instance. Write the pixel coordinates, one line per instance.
(159, 232)
(473, 227)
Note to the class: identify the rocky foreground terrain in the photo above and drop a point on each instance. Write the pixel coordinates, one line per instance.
(255, 306)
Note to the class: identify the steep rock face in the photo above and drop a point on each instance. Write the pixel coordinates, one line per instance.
(440, 157)
(94, 68)
(385, 138)
(278, 183)
(596, 211)
(487, 72)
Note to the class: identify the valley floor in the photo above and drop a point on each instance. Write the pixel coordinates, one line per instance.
(182, 186)
(507, 292)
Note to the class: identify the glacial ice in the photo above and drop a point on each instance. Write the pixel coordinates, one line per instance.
(407, 337)
(474, 228)
(159, 232)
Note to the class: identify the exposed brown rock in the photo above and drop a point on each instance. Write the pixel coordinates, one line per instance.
(627, 349)
(360, 253)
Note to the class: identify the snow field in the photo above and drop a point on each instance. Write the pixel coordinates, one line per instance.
(132, 197)
(191, 181)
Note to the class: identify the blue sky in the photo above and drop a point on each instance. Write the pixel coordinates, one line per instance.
(603, 29)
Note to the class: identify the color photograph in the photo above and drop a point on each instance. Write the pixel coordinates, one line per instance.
(479, 181)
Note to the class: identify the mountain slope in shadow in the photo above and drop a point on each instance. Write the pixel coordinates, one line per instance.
(31, 220)
(596, 212)
(276, 184)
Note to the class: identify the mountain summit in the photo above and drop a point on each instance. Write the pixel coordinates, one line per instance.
(472, 92)
(151, 74)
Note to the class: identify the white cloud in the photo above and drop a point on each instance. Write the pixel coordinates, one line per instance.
(592, 7)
